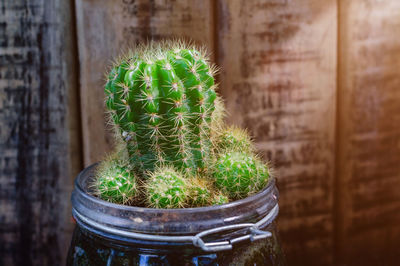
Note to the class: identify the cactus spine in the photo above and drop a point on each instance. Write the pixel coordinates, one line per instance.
(115, 182)
(235, 139)
(239, 174)
(200, 192)
(219, 199)
(162, 99)
(166, 189)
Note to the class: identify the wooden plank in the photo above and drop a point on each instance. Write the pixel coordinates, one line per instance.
(36, 84)
(368, 197)
(105, 28)
(278, 77)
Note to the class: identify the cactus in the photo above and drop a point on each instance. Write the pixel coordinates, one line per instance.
(115, 182)
(219, 199)
(217, 119)
(239, 174)
(235, 139)
(200, 192)
(170, 134)
(161, 98)
(264, 172)
(166, 189)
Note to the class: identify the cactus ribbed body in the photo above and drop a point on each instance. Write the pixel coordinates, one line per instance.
(116, 184)
(162, 101)
(235, 139)
(239, 174)
(166, 189)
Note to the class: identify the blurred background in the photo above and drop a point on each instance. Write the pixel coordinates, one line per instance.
(317, 83)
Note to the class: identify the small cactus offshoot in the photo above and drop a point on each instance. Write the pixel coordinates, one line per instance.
(219, 199)
(199, 192)
(115, 183)
(166, 189)
(235, 139)
(239, 174)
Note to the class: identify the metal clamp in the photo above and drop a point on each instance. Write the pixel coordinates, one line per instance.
(253, 232)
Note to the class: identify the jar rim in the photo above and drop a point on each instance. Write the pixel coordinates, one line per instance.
(82, 175)
(186, 221)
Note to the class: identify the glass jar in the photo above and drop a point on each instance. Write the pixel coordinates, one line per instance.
(242, 232)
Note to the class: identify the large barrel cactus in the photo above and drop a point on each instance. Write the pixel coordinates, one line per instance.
(162, 98)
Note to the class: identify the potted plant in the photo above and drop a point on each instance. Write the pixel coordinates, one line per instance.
(181, 188)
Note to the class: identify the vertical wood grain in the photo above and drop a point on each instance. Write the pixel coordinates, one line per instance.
(278, 78)
(37, 131)
(368, 178)
(105, 28)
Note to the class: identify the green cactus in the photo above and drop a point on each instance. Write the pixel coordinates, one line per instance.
(239, 174)
(115, 183)
(219, 199)
(234, 138)
(170, 134)
(217, 118)
(166, 189)
(161, 98)
(264, 172)
(199, 192)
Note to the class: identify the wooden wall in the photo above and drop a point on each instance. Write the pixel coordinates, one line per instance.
(279, 81)
(317, 83)
(39, 130)
(368, 126)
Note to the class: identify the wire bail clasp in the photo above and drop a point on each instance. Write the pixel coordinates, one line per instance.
(252, 234)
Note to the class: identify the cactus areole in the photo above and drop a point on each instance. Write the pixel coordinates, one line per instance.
(161, 99)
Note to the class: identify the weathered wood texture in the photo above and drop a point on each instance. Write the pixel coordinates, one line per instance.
(280, 78)
(105, 28)
(36, 86)
(368, 158)
(279, 81)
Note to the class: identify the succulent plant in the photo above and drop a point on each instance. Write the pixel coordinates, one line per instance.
(235, 139)
(171, 135)
(115, 182)
(219, 199)
(161, 98)
(199, 192)
(166, 189)
(239, 174)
